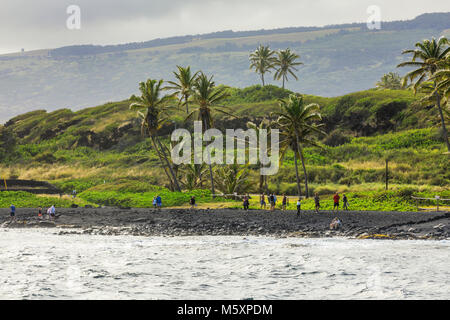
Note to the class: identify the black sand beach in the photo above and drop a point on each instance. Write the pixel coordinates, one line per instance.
(182, 222)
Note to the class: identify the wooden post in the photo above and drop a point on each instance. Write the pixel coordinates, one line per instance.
(387, 175)
(437, 203)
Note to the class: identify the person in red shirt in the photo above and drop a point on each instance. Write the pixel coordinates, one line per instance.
(336, 202)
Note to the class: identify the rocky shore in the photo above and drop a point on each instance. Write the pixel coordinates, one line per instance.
(184, 222)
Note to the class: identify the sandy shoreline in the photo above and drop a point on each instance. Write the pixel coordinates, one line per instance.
(182, 222)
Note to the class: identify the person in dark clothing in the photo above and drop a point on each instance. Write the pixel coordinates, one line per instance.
(299, 206)
(245, 202)
(272, 202)
(262, 201)
(192, 202)
(284, 202)
(317, 202)
(345, 202)
(13, 213)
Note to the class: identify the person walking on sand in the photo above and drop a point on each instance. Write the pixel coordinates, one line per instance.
(39, 212)
(12, 213)
(299, 206)
(272, 202)
(192, 202)
(262, 201)
(285, 202)
(154, 202)
(336, 202)
(245, 202)
(52, 212)
(345, 202)
(317, 202)
(158, 202)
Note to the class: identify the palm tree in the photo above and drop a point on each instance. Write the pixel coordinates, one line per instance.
(262, 60)
(285, 64)
(193, 175)
(297, 124)
(427, 58)
(391, 81)
(151, 108)
(442, 77)
(206, 96)
(233, 179)
(183, 86)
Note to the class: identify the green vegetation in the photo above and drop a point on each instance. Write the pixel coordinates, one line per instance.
(285, 65)
(391, 81)
(144, 199)
(27, 200)
(428, 58)
(101, 152)
(298, 123)
(262, 60)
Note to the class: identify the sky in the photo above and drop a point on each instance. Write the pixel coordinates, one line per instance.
(42, 24)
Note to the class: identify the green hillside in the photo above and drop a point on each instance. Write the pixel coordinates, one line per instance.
(337, 60)
(101, 149)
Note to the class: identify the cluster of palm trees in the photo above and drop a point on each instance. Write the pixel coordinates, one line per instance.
(431, 75)
(153, 109)
(391, 80)
(298, 124)
(263, 60)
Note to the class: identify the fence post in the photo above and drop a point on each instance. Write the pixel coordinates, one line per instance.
(387, 175)
(437, 203)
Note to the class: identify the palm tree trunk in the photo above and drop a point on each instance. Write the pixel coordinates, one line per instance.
(300, 152)
(283, 82)
(261, 182)
(299, 189)
(162, 162)
(205, 127)
(212, 180)
(175, 180)
(262, 78)
(186, 101)
(438, 103)
(306, 175)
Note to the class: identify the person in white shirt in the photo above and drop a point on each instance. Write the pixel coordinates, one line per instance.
(299, 205)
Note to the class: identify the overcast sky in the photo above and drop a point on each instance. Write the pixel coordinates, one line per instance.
(33, 24)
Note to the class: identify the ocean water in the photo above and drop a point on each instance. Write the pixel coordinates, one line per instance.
(39, 264)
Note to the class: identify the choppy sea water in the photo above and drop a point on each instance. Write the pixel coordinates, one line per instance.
(39, 264)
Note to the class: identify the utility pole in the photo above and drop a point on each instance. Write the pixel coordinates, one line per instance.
(387, 175)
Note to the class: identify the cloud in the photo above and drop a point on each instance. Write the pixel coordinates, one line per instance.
(34, 24)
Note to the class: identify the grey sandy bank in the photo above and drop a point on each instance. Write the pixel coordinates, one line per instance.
(181, 222)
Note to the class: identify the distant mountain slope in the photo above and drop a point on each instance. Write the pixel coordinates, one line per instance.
(338, 60)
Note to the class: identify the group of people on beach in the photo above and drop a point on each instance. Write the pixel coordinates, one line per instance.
(157, 202)
(272, 200)
(51, 212)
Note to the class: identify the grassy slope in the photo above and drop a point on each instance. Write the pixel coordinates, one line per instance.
(53, 146)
